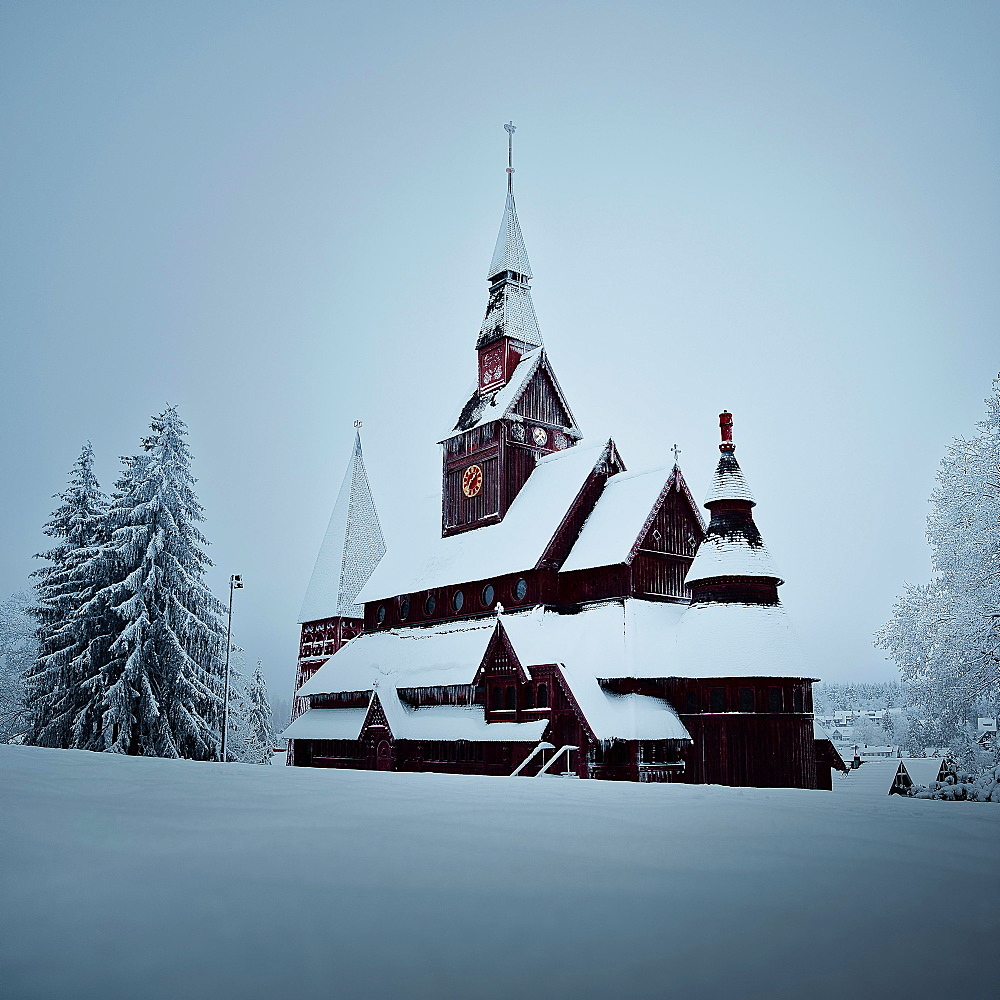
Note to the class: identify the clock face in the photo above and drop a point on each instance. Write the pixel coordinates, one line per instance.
(472, 481)
(540, 435)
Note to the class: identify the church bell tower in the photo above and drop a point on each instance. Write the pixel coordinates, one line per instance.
(518, 412)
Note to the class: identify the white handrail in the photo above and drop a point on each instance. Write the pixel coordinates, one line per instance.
(531, 756)
(555, 757)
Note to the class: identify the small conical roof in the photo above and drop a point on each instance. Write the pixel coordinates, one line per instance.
(509, 253)
(351, 549)
(728, 482)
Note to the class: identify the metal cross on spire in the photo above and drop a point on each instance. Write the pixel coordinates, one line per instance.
(676, 452)
(511, 128)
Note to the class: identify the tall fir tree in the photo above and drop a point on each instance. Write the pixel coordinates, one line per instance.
(260, 734)
(18, 651)
(161, 689)
(60, 685)
(945, 635)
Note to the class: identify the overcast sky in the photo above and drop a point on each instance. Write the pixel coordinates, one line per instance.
(279, 217)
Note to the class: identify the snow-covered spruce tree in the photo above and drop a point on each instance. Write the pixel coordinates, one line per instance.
(62, 701)
(260, 742)
(945, 635)
(18, 649)
(161, 686)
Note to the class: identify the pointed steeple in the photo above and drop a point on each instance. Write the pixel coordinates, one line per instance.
(510, 312)
(351, 549)
(733, 564)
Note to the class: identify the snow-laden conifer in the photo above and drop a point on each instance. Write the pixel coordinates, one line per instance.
(18, 649)
(61, 685)
(161, 684)
(945, 635)
(257, 720)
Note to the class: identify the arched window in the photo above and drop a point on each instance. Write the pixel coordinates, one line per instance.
(496, 697)
(529, 697)
(510, 700)
(543, 695)
(746, 699)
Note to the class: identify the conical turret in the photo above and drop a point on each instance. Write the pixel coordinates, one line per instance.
(351, 549)
(732, 564)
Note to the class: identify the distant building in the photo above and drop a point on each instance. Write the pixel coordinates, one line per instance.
(562, 613)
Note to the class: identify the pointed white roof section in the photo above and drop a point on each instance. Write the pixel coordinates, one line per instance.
(509, 253)
(351, 549)
(728, 483)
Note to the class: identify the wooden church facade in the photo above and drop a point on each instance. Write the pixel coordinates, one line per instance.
(562, 615)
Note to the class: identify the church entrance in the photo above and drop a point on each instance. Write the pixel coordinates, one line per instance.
(383, 757)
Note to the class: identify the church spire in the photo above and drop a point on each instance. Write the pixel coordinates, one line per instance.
(510, 312)
(351, 549)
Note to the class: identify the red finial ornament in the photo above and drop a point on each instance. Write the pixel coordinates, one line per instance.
(726, 425)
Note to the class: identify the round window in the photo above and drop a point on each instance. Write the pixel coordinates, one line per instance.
(520, 589)
(457, 600)
(429, 605)
(380, 614)
(404, 608)
(488, 594)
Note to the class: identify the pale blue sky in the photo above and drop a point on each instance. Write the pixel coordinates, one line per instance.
(279, 217)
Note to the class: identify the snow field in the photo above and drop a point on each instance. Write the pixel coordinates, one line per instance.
(148, 878)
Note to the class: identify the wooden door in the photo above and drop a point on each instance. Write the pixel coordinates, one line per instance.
(383, 758)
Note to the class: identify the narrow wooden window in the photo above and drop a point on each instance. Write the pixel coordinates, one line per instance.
(717, 700)
(529, 697)
(511, 699)
(543, 696)
(774, 699)
(746, 699)
(797, 699)
(691, 702)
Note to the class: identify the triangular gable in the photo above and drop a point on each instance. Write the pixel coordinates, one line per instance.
(541, 398)
(500, 656)
(376, 716)
(675, 484)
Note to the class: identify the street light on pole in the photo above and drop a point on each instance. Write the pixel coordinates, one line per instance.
(235, 583)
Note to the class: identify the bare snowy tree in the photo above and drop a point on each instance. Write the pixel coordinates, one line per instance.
(945, 635)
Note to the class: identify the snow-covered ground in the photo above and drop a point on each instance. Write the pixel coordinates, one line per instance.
(146, 878)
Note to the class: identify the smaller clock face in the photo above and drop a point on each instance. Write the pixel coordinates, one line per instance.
(472, 481)
(540, 435)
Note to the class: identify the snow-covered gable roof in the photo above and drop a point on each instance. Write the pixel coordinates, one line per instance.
(514, 545)
(327, 724)
(405, 657)
(451, 722)
(619, 518)
(351, 549)
(922, 770)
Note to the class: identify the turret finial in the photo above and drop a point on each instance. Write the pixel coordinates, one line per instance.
(726, 426)
(677, 452)
(510, 128)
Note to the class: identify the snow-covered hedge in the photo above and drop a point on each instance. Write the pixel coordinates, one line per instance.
(962, 785)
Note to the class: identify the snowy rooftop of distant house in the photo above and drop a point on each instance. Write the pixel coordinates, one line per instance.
(515, 544)
(617, 519)
(725, 555)
(728, 482)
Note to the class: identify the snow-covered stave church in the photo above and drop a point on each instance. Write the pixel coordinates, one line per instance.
(564, 616)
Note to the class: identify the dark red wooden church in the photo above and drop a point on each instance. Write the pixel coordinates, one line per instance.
(564, 616)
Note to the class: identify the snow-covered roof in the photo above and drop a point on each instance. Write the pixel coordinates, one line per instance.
(514, 545)
(617, 519)
(922, 770)
(874, 779)
(738, 640)
(730, 555)
(451, 722)
(405, 657)
(509, 253)
(510, 312)
(482, 408)
(728, 482)
(351, 549)
(327, 724)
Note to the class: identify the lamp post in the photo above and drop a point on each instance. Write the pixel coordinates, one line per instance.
(235, 583)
